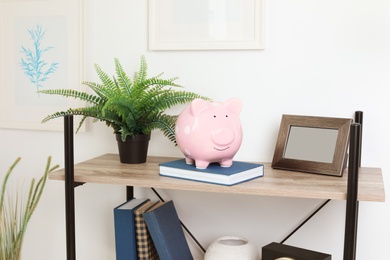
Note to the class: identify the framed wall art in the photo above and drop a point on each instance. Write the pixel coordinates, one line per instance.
(206, 24)
(40, 48)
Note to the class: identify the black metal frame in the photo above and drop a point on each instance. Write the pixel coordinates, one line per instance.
(69, 188)
(352, 204)
(352, 208)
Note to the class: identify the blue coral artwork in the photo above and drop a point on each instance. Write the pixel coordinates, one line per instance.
(41, 59)
(33, 62)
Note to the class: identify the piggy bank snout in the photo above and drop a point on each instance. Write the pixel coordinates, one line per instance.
(223, 136)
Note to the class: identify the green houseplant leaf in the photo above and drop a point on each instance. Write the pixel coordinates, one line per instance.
(16, 212)
(130, 106)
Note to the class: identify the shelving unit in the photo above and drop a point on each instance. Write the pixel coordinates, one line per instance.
(357, 184)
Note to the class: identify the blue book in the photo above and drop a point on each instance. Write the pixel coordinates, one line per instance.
(165, 229)
(214, 173)
(125, 232)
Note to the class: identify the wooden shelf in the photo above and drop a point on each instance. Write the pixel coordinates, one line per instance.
(107, 169)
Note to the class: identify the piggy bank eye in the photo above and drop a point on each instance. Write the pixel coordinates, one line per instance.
(215, 116)
(226, 116)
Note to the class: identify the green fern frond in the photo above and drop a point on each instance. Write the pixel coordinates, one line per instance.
(166, 123)
(92, 111)
(125, 82)
(99, 89)
(107, 82)
(74, 94)
(168, 99)
(140, 76)
(70, 111)
(160, 83)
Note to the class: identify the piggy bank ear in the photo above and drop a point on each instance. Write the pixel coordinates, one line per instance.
(198, 105)
(234, 104)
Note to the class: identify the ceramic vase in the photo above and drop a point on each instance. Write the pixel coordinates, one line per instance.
(232, 248)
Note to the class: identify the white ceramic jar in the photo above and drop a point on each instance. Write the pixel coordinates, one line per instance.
(232, 248)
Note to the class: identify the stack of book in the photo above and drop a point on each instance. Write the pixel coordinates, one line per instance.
(149, 230)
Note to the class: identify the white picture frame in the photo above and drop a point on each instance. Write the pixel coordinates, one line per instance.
(206, 24)
(40, 48)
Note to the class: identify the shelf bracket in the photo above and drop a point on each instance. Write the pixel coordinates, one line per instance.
(76, 184)
(129, 192)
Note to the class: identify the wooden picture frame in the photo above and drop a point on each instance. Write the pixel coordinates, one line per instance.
(312, 144)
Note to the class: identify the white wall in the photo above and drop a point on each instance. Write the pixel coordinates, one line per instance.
(326, 58)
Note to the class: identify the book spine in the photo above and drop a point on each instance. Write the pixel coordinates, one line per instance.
(125, 235)
(145, 246)
(158, 237)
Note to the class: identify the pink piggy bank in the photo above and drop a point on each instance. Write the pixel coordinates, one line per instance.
(208, 132)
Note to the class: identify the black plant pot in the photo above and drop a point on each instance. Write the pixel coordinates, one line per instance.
(134, 149)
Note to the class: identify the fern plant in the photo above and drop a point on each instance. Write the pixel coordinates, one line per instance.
(130, 106)
(16, 211)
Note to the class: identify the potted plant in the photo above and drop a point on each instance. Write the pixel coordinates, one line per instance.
(16, 211)
(132, 107)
